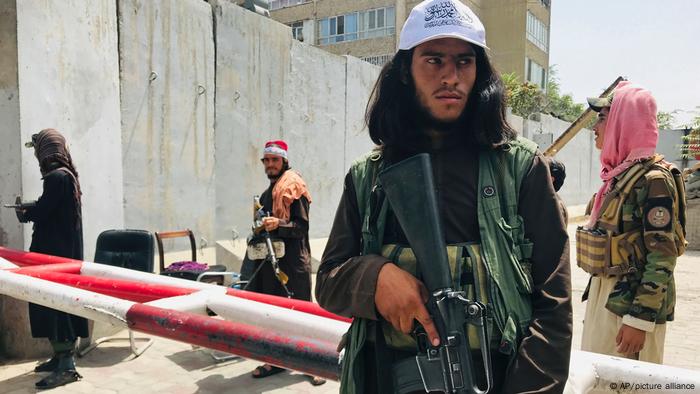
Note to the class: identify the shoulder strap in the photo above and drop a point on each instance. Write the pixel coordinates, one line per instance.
(673, 178)
(611, 208)
(679, 183)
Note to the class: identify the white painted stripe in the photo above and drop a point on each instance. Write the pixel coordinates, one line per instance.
(276, 318)
(79, 302)
(5, 264)
(192, 303)
(110, 272)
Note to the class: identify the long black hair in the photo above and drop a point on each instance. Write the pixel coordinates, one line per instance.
(394, 116)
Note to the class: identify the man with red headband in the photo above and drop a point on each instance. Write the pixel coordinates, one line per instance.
(287, 199)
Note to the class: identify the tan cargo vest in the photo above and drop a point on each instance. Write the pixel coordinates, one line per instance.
(605, 249)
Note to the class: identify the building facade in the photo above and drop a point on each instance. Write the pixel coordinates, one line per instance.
(517, 30)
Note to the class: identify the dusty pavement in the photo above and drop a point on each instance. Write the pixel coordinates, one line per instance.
(173, 367)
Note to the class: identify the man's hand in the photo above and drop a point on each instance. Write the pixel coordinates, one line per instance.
(21, 214)
(271, 223)
(630, 340)
(400, 298)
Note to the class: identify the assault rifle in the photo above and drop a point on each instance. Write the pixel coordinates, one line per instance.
(448, 367)
(19, 208)
(269, 250)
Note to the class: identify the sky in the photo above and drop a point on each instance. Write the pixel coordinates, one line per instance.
(655, 43)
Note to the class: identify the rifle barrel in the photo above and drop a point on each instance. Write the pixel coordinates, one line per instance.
(578, 124)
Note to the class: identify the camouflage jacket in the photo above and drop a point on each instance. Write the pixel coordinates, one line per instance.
(648, 296)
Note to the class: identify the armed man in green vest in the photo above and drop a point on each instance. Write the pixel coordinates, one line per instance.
(635, 233)
(504, 233)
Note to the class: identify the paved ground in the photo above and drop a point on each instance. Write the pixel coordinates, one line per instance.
(173, 367)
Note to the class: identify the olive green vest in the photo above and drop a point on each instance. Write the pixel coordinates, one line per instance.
(504, 251)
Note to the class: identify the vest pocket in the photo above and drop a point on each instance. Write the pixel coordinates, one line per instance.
(522, 268)
(599, 253)
(591, 253)
(627, 250)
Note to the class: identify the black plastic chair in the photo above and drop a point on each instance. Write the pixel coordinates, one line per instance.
(131, 249)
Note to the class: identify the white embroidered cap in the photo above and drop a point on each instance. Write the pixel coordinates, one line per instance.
(433, 19)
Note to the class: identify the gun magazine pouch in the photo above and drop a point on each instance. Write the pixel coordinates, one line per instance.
(606, 254)
(257, 249)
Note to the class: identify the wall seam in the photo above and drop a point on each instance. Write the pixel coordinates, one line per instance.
(216, 91)
(121, 118)
(345, 133)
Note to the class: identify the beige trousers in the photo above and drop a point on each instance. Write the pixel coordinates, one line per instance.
(600, 327)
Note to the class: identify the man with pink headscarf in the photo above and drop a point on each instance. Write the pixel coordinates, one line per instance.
(635, 232)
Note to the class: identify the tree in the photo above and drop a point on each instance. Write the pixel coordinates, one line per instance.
(665, 120)
(525, 98)
(562, 107)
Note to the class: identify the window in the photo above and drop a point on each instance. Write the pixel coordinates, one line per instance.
(297, 30)
(277, 4)
(338, 29)
(537, 32)
(357, 26)
(535, 73)
(379, 22)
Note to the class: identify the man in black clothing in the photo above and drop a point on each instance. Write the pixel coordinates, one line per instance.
(58, 231)
(499, 212)
(288, 200)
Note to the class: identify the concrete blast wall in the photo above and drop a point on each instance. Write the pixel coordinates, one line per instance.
(69, 80)
(58, 68)
(270, 86)
(579, 156)
(11, 310)
(167, 105)
(10, 148)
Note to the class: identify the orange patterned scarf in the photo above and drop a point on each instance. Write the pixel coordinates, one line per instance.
(289, 187)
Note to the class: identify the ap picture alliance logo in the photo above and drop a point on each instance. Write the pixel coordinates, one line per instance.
(445, 13)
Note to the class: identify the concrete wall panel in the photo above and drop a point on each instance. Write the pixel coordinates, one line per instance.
(302, 95)
(314, 126)
(579, 156)
(360, 80)
(69, 80)
(13, 313)
(11, 147)
(252, 62)
(167, 82)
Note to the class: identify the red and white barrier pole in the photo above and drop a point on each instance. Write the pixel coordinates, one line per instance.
(23, 258)
(306, 355)
(312, 356)
(32, 261)
(270, 316)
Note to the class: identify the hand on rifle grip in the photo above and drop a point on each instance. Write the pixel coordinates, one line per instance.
(271, 223)
(400, 298)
